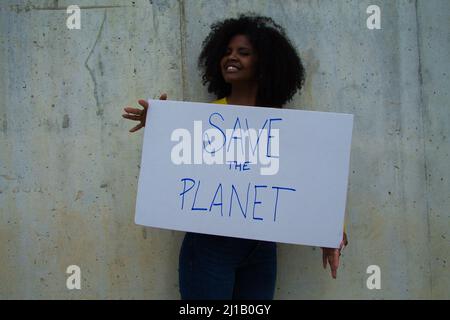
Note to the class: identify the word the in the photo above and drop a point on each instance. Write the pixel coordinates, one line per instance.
(272, 194)
(239, 166)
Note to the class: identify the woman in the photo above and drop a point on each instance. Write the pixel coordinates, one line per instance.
(245, 61)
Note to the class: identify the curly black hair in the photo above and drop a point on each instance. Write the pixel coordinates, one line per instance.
(280, 72)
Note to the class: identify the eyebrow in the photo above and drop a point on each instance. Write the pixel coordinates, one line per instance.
(239, 48)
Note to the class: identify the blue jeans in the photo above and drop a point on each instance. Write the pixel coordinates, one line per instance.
(224, 268)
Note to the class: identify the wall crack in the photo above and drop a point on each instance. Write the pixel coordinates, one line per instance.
(91, 71)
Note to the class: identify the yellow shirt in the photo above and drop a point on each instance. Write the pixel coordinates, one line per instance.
(221, 101)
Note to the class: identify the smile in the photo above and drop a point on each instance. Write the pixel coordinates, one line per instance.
(231, 69)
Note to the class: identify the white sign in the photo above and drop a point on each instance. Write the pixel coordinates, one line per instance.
(248, 172)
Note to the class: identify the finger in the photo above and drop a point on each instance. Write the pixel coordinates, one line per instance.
(324, 259)
(143, 103)
(136, 128)
(163, 96)
(132, 110)
(132, 117)
(329, 260)
(334, 264)
(344, 242)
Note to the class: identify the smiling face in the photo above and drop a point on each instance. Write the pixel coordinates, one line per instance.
(239, 62)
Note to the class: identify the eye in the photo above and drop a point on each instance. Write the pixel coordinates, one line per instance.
(244, 52)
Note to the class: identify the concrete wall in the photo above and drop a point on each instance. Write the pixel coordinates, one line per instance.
(69, 167)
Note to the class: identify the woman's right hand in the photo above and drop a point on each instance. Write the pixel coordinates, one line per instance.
(138, 114)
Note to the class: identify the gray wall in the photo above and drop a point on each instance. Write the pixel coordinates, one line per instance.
(69, 167)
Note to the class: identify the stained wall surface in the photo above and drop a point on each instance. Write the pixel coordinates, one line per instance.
(69, 167)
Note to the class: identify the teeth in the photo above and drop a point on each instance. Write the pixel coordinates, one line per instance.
(231, 68)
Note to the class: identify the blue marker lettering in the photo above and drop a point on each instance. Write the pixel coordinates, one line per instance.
(220, 203)
(209, 143)
(258, 136)
(195, 198)
(236, 138)
(233, 189)
(218, 128)
(269, 136)
(276, 200)
(184, 189)
(257, 202)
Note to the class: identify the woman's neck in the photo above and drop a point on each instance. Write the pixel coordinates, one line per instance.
(243, 94)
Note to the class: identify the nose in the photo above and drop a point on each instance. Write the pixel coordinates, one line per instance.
(232, 55)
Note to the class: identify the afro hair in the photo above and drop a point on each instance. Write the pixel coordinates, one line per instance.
(280, 72)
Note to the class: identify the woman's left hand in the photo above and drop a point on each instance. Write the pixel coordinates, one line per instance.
(331, 256)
